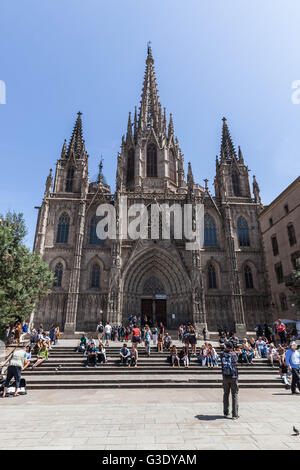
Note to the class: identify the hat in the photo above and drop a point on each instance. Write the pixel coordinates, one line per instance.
(229, 345)
(293, 343)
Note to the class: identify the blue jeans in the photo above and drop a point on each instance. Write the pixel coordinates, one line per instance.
(13, 371)
(262, 349)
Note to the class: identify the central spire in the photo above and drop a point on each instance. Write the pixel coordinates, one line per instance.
(227, 147)
(150, 108)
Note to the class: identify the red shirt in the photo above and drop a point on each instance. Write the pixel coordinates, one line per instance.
(280, 327)
(136, 332)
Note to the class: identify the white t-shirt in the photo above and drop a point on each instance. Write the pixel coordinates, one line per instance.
(107, 328)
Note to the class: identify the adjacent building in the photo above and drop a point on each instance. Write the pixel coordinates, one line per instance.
(223, 284)
(280, 226)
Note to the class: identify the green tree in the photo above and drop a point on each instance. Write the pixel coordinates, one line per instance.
(24, 277)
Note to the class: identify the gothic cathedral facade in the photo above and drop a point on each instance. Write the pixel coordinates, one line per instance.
(222, 284)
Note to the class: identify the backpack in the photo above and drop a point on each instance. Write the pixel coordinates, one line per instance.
(100, 328)
(227, 365)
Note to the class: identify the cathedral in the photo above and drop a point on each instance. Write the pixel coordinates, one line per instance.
(222, 284)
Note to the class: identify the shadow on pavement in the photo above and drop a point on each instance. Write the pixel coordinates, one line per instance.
(209, 417)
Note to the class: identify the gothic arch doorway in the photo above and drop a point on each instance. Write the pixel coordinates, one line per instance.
(154, 284)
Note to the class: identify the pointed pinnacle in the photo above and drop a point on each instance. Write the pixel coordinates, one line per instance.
(227, 147)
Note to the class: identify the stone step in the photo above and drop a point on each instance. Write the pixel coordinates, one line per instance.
(135, 371)
(204, 385)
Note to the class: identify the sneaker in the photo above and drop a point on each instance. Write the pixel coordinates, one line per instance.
(226, 416)
(86, 366)
(295, 393)
(235, 418)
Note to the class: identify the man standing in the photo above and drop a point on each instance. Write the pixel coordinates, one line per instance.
(281, 331)
(107, 330)
(292, 359)
(100, 330)
(230, 380)
(16, 364)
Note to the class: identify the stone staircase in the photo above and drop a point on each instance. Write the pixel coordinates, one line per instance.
(65, 369)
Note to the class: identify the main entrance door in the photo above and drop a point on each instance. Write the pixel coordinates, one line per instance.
(156, 310)
(161, 311)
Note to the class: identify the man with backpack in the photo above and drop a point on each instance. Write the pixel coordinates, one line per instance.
(100, 331)
(230, 380)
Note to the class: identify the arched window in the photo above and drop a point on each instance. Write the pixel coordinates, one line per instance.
(95, 276)
(211, 277)
(93, 239)
(70, 179)
(130, 165)
(243, 232)
(291, 234)
(58, 274)
(151, 161)
(63, 228)
(172, 166)
(248, 277)
(235, 183)
(210, 231)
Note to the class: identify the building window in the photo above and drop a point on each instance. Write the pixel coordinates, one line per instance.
(291, 234)
(210, 231)
(283, 302)
(172, 166)
(63, 228)
(69, 180)
(58, 274)
(95, 276)
(211, 277)
(295, 259)
(270, 221)
(279, 272)
(243, 232)
(151, 161)
(235, 183)
(130, 165)
(93, 238)
(286, 208)
(274, 245)
(248, 277)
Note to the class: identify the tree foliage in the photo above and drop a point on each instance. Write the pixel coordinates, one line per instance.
(24, 277)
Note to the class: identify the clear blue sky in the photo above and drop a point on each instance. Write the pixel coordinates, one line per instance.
(236, 58)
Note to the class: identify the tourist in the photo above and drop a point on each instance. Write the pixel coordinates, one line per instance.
(91, 341)
(180, 332)
(204, 334)
(100, 331)
(136, 335)
(18, 332)
(52, 334)
(261, 347)
(124, 354)
(154, 331)
(292, 359)
(184, 357)
(46, 339)
(167, 341)
(247, 352)
(273, 355)
(160, 343)
(161, 329)
(147, 340)
(285, 375)
(107, 330)
(174, 357)
(259, 330)
(268, 333)
(101, 355)
(193, 340)
(281, 331)
(41, 353)
(82, 344)
(230, 380)
(234, 340)
(92, 353)
(202, 356)
(28, 356)
(222, 340)
(133, 358)
(16, 364)
(57, 334)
